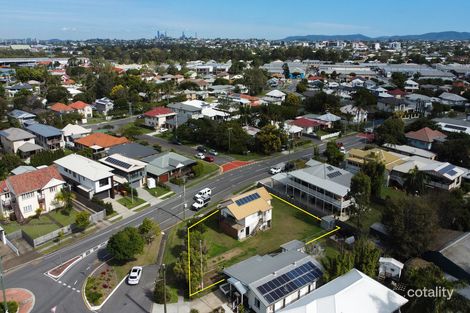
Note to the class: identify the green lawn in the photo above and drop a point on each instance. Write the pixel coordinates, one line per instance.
(62, 218)
(288, 224)
(208, 170)
(393, 193)
(252, 156)
(159, 190)
(128, 203)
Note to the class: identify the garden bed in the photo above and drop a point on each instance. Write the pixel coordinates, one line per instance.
(60, 270)
(100, 284)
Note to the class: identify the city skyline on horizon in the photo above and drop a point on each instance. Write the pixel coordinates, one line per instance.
(126, 19)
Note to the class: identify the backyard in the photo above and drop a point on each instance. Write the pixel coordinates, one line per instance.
(46, 223)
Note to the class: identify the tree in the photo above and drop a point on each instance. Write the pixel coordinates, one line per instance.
(65, 196)
(337, 265)
(360, 191)
(149, 230)
(118, 92)
(333, 154)
(159, 293)
(125, 244)
(286, 71)
(322, 102)
(82, 220)
(366, 257)
(415, 182)
(269, 139)
(364, 99)
(412, 224)
(104, 85)
(46, 157)
(292, 100)
(57, 94)
(376, 171)
(391, 131)
(302, 86)
(7, 163)
(431, 277)
(455, 150)
(255, 79)
(421, 123)
(38, 212)
(399, 79)
(221, 81)
(198, 169)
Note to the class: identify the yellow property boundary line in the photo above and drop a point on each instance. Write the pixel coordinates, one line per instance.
(216, 211)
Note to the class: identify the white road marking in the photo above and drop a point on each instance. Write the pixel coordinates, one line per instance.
(64, 284)
(75, 282)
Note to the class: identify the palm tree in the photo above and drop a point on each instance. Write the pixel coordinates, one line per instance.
(65, 196)
(415, 182)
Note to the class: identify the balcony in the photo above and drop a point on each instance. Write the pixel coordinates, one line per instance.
(41, 198)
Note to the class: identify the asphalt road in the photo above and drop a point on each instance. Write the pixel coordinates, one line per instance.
(116, 123)
(182, 149)
(66, 294)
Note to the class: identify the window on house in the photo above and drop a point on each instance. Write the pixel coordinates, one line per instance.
(257, 303)
(53, 189)
(28, 208)
(103, 182)
(27, 195)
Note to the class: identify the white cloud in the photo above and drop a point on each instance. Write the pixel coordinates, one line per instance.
(69, 29)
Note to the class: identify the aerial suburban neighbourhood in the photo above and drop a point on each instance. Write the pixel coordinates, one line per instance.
(201, 156)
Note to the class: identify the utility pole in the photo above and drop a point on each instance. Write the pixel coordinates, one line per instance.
(229, 132)
(184, 198)
(164, 288)
(5, 306)
(202, 273)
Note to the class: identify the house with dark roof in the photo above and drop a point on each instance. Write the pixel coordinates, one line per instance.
(13, 90)
(453, 99)
(132, 150)
(424, 138)
(271, 282)
(167, 165)
(13, 138)
(158, 117)
(47, 136)
(103, 105)
(126, 170)
(245, 215)
(24, 193)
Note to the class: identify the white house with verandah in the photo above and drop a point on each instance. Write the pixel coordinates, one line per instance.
(320, 185)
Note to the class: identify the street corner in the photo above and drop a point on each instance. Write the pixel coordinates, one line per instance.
(24, 297)
(233, 165)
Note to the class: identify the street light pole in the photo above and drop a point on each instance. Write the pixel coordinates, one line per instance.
(184, 198)
(202, 273)
(164, 288)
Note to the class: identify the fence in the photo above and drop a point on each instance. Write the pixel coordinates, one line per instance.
(328, 136)
(12, 246)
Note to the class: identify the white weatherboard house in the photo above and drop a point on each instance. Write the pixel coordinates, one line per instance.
(351, 293)
(13, 138)
(268, 283)
(89, 178)
(126, 170)
(244, 215)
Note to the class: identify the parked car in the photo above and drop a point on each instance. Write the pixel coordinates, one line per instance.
(201, 202)
(163, 129)
(206, 192)
(213, 152)
(201, 149)
(134, 275)
(275, 170)
(209, 158)
(176, 142)
(200, 156)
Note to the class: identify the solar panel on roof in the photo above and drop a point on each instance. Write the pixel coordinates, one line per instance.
(285, 284)
(118, 162)
(247, 199)
(451, 173)
(334, 174)
(330, 168)
(446, 169)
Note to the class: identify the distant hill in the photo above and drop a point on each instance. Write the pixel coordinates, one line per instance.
(448, 35)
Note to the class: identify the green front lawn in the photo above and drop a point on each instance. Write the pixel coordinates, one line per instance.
(288, 224)
(130, 203)
(252, 156)
(159, 190)
(62, 218)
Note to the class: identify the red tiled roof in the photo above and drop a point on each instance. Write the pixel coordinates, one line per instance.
(3, 186)
(102, 140)
(315, 78)
(396, 92)
(60, 107)
(34, 180)
(158, 111)
(305, 122)
(78, 105)
(425, 134)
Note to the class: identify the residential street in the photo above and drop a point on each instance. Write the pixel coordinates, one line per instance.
(66, 293)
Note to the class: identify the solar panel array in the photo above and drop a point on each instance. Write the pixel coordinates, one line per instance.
(283, 285)
(330, 168)
(118, 162)
(446, 169)
(451, 173)
(247, 199)
(334, 174)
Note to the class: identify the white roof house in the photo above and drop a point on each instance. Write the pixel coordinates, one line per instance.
(75, 131)
(276, 94)
(123, 163)
(85, 167)
(351, 293)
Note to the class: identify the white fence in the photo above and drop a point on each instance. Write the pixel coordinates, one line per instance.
(328, 136)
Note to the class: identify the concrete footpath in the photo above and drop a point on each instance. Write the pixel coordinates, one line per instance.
(23, 297)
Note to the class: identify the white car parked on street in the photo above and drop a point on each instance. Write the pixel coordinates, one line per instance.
(134, 275)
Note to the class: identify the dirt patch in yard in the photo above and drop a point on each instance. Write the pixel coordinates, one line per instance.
(212, 262)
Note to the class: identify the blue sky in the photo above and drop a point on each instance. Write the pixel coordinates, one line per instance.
(272, 19)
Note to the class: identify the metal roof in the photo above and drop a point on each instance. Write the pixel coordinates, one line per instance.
(44, 130)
